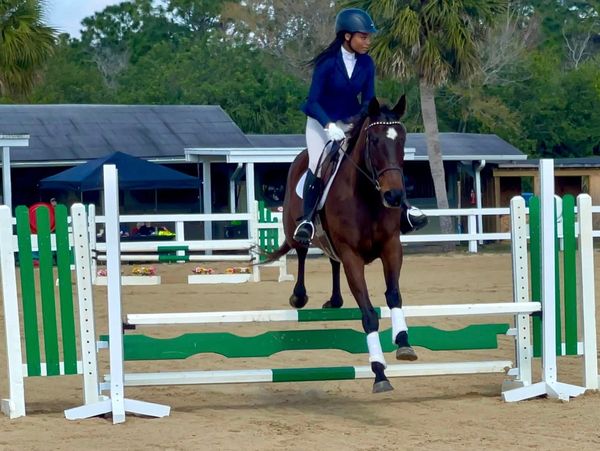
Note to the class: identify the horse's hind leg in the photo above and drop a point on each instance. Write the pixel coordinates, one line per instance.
(355, 273)
(299, 298)
(336, 300)
(392, 262)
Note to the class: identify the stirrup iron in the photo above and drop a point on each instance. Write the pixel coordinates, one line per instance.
(312, 229)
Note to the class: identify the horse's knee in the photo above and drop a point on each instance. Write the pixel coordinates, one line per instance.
(370, 320)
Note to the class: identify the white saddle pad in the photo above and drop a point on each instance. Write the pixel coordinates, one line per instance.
(300, 184)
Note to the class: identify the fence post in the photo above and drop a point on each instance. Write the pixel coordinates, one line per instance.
(587, 290)
(472, 228)
(14, 405)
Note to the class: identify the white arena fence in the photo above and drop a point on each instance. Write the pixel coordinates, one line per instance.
(84, 362)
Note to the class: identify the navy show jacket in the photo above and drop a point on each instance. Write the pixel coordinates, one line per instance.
(332, 95)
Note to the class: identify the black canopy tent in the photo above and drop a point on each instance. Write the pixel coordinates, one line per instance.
(134, 174)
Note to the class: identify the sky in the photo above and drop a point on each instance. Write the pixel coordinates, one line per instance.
(66, 15)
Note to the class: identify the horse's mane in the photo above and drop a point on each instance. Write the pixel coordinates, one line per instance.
(385, 114)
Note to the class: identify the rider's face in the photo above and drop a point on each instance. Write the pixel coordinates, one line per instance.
(358, 42)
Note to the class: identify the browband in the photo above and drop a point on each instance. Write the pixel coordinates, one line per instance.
(383, 123)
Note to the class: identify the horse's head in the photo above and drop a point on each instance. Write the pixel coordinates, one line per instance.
(382, 137)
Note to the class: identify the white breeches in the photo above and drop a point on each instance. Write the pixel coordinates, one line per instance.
(316, 138)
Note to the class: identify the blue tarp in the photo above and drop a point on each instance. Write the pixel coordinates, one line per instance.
(134, 173)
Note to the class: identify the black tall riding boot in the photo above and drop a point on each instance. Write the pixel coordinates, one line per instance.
(313, 186)
(411, 218)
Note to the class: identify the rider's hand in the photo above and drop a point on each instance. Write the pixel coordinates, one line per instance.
(334, 133)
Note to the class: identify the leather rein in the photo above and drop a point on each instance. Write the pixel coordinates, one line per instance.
(374, 175)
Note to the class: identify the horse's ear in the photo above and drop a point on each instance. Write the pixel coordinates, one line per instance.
(400, 107)
(373, 107)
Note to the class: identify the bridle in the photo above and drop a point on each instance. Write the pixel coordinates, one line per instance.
(373, 175)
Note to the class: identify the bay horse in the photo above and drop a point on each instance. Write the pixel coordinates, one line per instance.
(361, 217)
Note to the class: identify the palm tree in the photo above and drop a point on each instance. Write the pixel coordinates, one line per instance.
(434, 40)
(25, 44)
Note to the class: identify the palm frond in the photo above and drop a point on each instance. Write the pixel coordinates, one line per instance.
(436, 39)
(25, 44)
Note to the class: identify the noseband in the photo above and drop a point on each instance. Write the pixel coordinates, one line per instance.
(375, 174)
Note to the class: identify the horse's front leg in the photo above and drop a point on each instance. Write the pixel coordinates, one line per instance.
(392, 262)
(336, 300)
(299, 298)
(354, 267)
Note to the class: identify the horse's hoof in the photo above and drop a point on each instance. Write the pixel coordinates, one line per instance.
(382, 386)
(330, 304)
(406, 353)
(298, 301)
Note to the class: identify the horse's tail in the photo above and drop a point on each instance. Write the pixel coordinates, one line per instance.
(270, 257)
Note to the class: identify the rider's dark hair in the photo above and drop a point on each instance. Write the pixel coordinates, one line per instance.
(331, 49)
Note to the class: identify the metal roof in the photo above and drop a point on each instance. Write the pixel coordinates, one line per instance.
(467, 146)
(71, 134)
(284, 148)
(76, 133)
(455, 146)
(575, 162)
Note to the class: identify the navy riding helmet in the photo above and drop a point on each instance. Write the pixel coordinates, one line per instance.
(354, 20)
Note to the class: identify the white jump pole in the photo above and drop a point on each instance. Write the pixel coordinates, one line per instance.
(117, 404)
(549, 385)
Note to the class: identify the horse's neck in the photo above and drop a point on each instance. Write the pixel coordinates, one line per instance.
(354, 179)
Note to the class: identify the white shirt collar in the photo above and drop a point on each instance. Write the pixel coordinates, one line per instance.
(349, 59)
(350, 56)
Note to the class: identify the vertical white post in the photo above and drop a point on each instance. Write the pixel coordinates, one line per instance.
(548, 246)
(92, 238)
(6, 181)
(472, 228)
(207, 200)
(232, 205)
(180, 235)
(250, 199)
(113, 269)
(253, 212)
(117, 404)
(87, 329)
(520, 268)
(478, 198)
(587, 290)
(14, 405)
(549, 385)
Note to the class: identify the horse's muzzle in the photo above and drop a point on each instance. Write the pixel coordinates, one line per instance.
(393, 198)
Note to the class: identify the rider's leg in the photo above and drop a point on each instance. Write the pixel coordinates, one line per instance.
(411, 218)
(313, 186)
(316, 139)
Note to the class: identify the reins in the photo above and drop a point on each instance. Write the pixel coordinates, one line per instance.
(375, 175)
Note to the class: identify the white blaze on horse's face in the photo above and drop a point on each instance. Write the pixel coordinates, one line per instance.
(391, 133)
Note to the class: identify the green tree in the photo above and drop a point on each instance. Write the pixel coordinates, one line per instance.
(293, 31)
(120, 34)
(25, 45)
(434, 41)
(71, 76)
(245, 82)
(477, 104)
(198, 16)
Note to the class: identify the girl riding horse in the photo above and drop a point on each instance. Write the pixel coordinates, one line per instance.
(342, 72)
